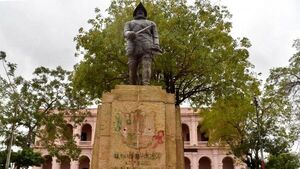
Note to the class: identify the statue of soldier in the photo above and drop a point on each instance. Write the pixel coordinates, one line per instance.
(142, 44)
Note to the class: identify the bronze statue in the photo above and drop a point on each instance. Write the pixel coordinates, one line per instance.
(142, 44)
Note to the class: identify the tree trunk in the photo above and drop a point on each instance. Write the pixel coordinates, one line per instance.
(9, 146)
(256, 159)
(171, 87)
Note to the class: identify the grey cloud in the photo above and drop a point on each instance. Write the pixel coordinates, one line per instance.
(271, 25)
(40, 32)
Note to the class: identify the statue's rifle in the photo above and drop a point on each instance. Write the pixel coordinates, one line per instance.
(142, 30)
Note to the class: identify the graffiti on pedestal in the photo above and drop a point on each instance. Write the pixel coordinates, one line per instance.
(138, 160)
(137, 129)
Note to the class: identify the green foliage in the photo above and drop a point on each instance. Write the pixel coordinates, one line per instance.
(283, 161)
(271, 124)
(27, 157)
(228, 118)
(24, 158)
(227, 124)
(283, 86)
(247, 128)
(285, 81)
(201, 61)
(37, 108)
(2, 159)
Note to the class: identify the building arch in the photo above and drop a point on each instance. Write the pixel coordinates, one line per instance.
(86, 132)
(187, 163)
(201, 136)
(228, 163)
(84, 162)
(47, 162)
(205, 163)
(65, 162)
(185, 132)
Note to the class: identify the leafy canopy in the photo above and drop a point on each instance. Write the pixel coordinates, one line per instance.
(37, 108)
(201, 60)
(284, 161)
(270, 125)
(285, 81)
(22, 158)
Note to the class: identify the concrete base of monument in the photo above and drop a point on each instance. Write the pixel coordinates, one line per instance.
(138, 127)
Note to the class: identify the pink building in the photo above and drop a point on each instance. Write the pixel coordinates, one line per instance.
(197, 154)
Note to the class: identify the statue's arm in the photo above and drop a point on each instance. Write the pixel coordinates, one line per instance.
(155, 34)
(128, 33)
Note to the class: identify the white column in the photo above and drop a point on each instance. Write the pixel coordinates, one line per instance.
(220, 163)
(74, 165)
(194, 162)
(215, 160)
(93, 124)
(55, 163)
(193, 133)
(77, 133)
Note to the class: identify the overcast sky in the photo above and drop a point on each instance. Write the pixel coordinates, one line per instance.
(40, 32)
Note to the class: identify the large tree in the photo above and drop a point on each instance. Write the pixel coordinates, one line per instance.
(284, 84)
(22, 159)
(249, 127)
(201, 61)
(285, 81)
(283, 161)
(36, 108)
(259, 121)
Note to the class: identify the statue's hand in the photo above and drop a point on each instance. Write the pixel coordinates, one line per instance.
(131, 35)
(156, 49)
(155, 46)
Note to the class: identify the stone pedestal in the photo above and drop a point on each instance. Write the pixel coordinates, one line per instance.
(138, 127)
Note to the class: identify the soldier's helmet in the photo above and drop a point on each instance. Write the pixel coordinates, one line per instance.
(138, 9)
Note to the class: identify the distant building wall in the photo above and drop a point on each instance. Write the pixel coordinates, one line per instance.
(196, 152)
